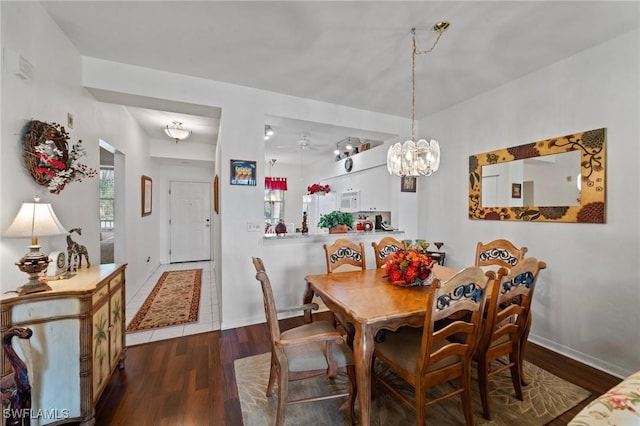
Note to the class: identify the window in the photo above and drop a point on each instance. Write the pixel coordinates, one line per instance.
(273, 206)
(106, 198)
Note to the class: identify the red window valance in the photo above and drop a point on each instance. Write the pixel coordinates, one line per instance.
(275, 183)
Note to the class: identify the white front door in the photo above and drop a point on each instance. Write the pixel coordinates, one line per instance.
(190, 221)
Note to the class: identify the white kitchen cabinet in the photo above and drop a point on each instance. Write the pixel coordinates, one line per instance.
(374, 190)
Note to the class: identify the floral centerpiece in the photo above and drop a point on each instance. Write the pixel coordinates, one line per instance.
(317, 188)
(408, 267)
(48, 158)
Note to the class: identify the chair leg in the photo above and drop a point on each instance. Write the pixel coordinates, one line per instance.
(272, 375)
(516, 379)
(483, 381)
(421, 399)
(523, 345)
(283, 390)
(465, 383)
(353, 393)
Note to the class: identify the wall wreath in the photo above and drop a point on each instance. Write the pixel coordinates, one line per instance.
(48, 159)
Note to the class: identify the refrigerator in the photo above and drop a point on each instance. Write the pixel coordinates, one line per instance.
(316, 205)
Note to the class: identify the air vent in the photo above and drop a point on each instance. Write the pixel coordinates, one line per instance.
(15, 64)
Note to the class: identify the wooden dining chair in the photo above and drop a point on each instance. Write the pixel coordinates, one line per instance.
(498, 254)
(507, 322)
(424, 357)
(302, 352)
(344, 254)
(385, 248)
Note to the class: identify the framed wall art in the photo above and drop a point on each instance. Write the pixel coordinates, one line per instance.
(516, 190)
(243, 172)
(408, 184)
(146, 191)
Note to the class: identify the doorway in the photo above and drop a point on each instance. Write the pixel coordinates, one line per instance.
(189, 221)
(107, 206)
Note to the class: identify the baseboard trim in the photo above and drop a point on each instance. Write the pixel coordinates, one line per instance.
(581, 357)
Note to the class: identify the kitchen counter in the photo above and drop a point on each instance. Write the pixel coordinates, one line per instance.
(323, 236)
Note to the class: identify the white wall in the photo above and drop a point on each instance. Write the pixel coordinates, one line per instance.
(240, 137)
(55, 90)
(587, 300)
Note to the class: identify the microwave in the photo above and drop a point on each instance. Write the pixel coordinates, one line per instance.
(350, 202)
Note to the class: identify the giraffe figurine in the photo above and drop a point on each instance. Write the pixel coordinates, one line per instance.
(76, 251)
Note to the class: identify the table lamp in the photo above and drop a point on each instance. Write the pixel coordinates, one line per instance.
(32, 221)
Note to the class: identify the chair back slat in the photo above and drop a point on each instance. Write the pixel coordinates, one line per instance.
(385, 248)
(344, 252)
(498, 253)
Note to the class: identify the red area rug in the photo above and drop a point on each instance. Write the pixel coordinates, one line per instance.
(174, 300)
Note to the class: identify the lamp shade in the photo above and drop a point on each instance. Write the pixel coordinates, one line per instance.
(35, 220)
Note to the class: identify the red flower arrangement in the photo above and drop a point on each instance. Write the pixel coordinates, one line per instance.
(316, 187)
(408, 267)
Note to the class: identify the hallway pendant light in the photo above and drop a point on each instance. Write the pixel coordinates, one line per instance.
(420, 158)
(176, 131)
(268, 132)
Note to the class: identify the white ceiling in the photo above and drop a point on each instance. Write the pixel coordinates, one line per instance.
(354, 53)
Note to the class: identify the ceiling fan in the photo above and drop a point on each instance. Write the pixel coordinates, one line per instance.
(304, 144)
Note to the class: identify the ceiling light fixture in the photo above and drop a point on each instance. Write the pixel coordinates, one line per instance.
(419, 158)
(268, 132)
(176, 131)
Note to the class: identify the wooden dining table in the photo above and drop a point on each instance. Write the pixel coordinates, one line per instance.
(368, 301)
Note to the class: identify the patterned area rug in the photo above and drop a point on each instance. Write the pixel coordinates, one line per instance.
(545, 398)
(174, 300)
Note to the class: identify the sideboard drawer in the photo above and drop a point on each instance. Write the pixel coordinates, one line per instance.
(44, 309)
(115, 281)
(99, 294)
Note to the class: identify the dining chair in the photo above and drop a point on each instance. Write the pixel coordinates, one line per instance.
(424, 357)
(385, 248)
(507, 322)
(303, 352)
(344, 254)
(498, 254)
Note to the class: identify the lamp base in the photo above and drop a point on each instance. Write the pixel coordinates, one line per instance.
(36, 287)
(33, 263)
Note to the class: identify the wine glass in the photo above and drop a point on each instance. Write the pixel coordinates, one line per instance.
(439, 244)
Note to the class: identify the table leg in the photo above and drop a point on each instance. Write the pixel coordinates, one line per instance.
(363, 353)
(307, 298)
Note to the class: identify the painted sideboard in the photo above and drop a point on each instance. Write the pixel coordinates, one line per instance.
(78, 341)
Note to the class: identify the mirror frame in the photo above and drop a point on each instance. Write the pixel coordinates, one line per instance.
(592, 207)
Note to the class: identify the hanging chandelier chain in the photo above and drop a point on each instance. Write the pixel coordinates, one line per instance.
(440, 29)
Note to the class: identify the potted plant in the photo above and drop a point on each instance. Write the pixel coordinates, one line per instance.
(337, 222)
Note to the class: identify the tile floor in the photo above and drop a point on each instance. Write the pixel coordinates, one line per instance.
(208, 317)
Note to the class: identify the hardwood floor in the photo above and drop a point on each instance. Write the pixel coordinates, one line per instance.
(190, 380)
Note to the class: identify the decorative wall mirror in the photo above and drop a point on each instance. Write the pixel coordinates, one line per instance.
(555, 180)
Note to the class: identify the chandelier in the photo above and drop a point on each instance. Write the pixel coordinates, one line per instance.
(176, 131)
(420, 158)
